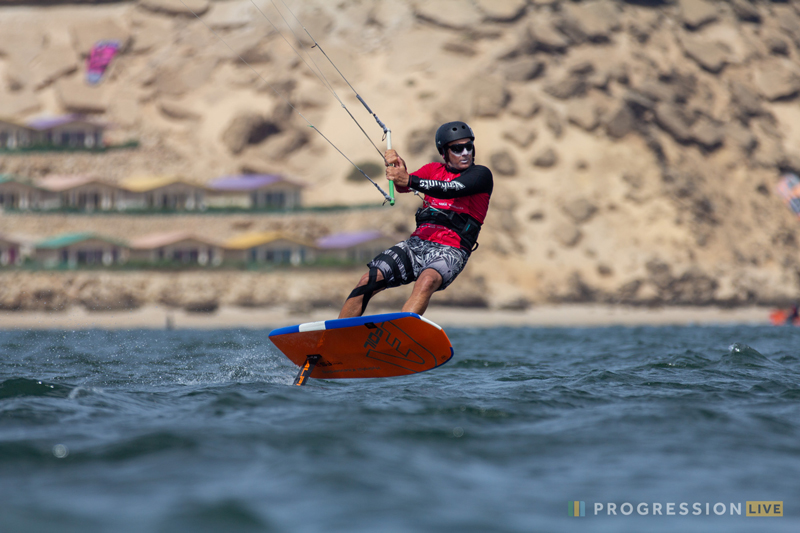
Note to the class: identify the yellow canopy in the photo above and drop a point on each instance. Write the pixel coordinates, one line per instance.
(147, 183)
(251, 240)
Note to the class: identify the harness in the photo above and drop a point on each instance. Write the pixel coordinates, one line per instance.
(466, 226)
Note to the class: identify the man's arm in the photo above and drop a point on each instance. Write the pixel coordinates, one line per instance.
(475, 180)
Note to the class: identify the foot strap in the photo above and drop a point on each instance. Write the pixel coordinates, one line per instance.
(368, 290)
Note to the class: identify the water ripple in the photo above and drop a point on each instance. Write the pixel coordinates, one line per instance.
(201, 431)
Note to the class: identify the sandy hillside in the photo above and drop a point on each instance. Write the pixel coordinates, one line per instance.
(635, 145)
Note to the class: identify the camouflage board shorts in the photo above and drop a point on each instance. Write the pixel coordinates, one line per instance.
(404, 262)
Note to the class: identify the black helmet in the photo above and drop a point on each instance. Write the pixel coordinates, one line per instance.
(452, 131)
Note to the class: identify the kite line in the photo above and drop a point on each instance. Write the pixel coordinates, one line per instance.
(318, 72)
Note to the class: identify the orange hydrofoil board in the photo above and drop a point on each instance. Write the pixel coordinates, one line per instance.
(376, 346)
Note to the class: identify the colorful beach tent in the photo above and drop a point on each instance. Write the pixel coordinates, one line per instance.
(789, 190)
(99, 58)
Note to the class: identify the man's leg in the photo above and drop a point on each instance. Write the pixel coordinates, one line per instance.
(354, 305)
(427, 283)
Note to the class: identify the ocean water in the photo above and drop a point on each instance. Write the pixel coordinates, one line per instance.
(170, 431)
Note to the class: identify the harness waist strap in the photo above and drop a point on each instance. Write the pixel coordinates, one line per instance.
(467, 227)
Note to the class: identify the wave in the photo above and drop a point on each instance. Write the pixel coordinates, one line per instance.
(24, 387)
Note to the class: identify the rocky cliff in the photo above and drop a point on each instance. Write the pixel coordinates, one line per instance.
(635, 145)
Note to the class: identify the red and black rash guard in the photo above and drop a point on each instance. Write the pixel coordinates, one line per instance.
(466, 192)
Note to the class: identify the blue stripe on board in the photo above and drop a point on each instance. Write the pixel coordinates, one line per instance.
(345, 322)
(361, 320)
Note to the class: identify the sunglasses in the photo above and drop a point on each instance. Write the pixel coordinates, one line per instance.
(458, 149)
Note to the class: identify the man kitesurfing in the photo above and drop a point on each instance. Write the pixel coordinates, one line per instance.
(456, 200)
(457, 194)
